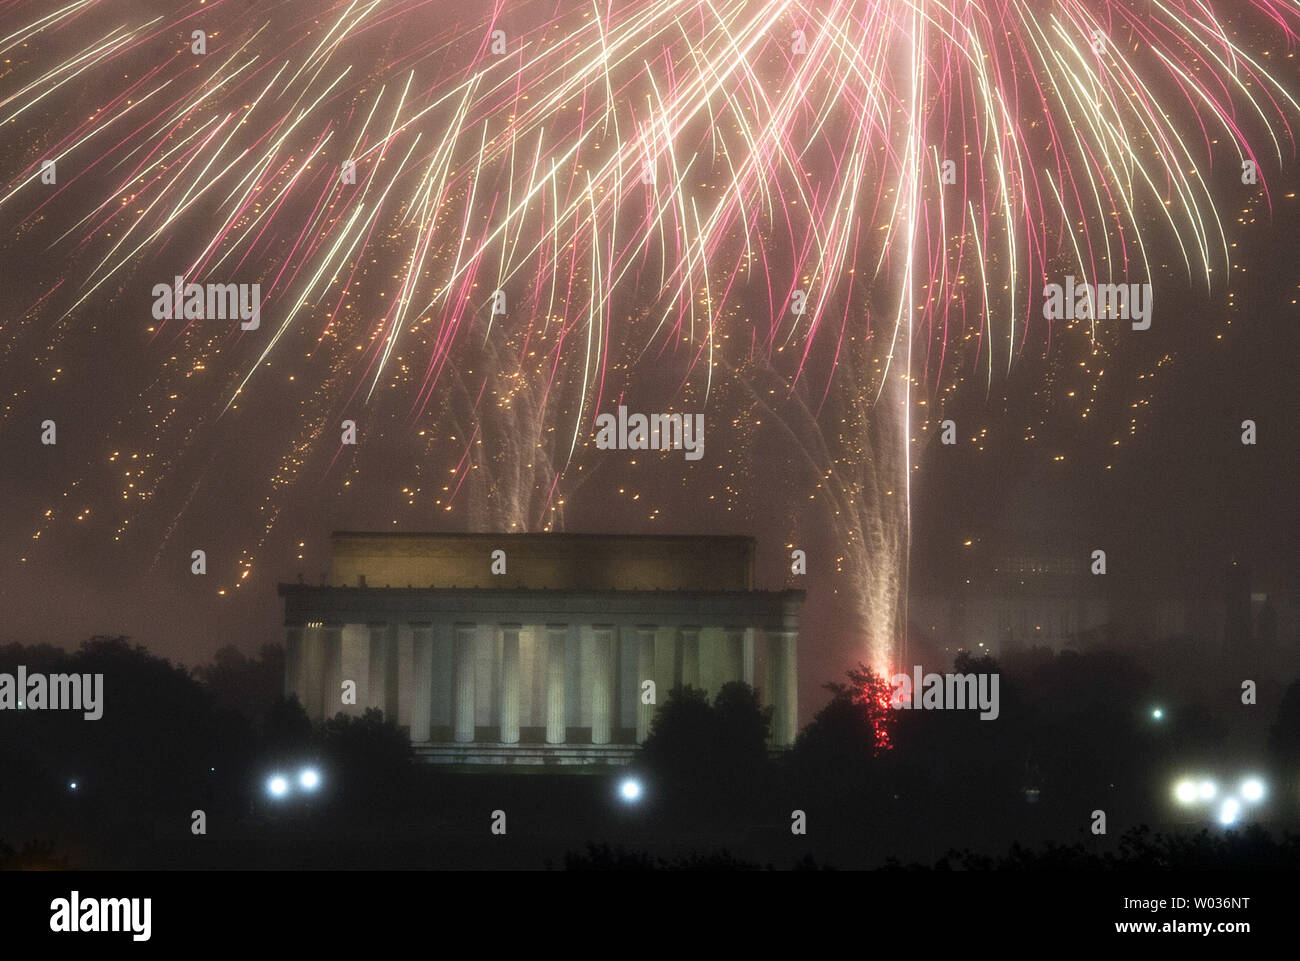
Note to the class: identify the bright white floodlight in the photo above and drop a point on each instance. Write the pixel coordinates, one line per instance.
(309, 779)
(1185, 791)
(1206, 790)
(1252, 789)
(277, 786)
(1228, 813)
(630, 789)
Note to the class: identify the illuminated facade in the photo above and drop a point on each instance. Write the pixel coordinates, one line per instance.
(535, 648)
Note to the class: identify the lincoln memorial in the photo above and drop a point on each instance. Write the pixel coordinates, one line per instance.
(534, 648)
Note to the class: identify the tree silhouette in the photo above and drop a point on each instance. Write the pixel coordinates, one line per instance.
(854, 727)
(286, 731)
(706, 755)
(159, 750)
(368, 758)
(249, 686)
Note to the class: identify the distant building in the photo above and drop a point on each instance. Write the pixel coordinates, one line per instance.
(1022, 601)
(544, 663)
(1021, 577)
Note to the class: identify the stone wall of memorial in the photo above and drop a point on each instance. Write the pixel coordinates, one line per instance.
(544, 561)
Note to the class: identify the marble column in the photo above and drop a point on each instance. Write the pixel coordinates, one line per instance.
(645, 671)
(602, 700)
(332, 692)
(733, 654)
(784, 696)
(421, 681)
(690, 656)
(667, 663)
(510, 683)
(354, 666)
(405, 673)
(712, 654)
(557, 636)
(463, 681)
(380, 657)
(312, 687)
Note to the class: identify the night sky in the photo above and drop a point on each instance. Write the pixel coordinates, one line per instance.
(186, 434)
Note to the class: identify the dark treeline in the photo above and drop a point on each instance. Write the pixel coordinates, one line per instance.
(1076, 735)
(873, 786)
(170, 741)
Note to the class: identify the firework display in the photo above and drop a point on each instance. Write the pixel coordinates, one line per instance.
(846, 433)
(476, 231)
